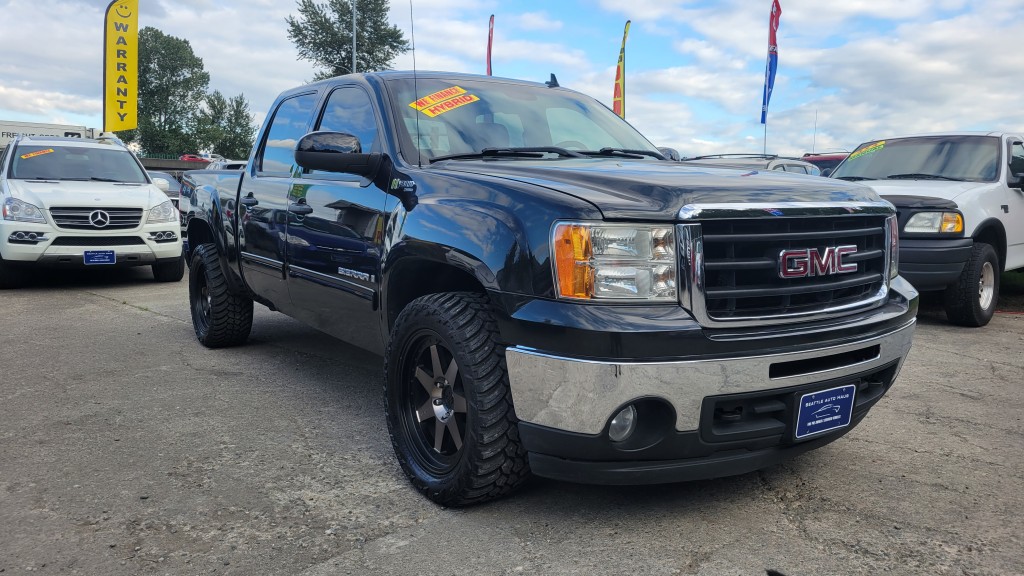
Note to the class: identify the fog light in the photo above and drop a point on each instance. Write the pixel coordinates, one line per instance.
(623, 424)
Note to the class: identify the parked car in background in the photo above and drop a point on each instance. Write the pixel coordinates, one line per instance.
(755, 162)
(192, 158)
(960, 200)
(83, 203)
(211, 157)
(227, 165)
(825, 161)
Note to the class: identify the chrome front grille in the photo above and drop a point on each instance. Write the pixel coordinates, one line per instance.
(733, 267)
(73, 218)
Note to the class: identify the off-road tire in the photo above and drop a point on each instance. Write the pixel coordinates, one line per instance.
(491, 461)
(11, 276)
(964, 299)
(169, 271)
(220, 317)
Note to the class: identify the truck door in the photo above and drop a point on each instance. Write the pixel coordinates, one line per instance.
(1014, 219)
(263, 199)
(335, 232)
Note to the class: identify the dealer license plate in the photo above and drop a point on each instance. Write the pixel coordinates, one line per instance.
(100, 257)
(824, 411)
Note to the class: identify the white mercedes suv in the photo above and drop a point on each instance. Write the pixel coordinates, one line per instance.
(75, 203)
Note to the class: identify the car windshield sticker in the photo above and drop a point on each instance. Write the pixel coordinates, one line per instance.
(868, 149)
(36, 153)
(443, 101)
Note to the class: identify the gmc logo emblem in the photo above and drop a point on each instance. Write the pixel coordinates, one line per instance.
(809, 262)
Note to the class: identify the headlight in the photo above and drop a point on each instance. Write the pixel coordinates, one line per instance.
(894, 246)
(935, 223)
(15, 209)
(615, 262)
(163, 212)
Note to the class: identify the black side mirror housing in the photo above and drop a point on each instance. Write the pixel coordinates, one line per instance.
(1016, 181)
(335, 152)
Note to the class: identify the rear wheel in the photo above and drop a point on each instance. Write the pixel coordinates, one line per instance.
(448, 402)
(219, 317)
(971, 300)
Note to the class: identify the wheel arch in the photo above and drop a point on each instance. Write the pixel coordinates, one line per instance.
(411, 278)
(991, 232)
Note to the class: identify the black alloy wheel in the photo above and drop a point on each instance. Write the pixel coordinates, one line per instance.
(448, 401)
(220, 318)
(435, 406)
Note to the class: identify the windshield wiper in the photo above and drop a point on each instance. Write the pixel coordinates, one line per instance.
(921, 176)
(511, 152)
(623, 153)
(852, 178)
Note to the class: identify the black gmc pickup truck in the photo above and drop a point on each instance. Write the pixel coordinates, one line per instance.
(549, 293)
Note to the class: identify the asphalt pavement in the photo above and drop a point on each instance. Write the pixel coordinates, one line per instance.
(128, 448)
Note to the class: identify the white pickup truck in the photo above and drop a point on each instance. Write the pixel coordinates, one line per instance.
(961, 211)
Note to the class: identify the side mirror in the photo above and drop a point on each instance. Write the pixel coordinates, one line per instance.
(669, 153)
(162, 184)
(826, 172)
(335, 152)
(1015, 181)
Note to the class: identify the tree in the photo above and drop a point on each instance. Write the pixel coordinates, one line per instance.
(172, 86)
(323, 35)
(238, 130)
(225, 126)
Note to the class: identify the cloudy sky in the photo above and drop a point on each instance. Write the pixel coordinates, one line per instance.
(849, 70)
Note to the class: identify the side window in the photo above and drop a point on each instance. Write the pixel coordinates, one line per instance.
(288, 126)
(1017, 158)
(349, 110)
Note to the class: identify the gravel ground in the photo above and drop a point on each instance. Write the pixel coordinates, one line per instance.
(127, 448)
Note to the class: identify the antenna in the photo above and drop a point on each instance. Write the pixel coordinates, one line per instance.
(415, 89)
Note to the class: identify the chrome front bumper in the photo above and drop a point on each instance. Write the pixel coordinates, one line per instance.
(581, 395)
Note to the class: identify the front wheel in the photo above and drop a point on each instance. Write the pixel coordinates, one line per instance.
(448, 402)
(11, 276)
(971, 300)
(169, 271)
(220, 318)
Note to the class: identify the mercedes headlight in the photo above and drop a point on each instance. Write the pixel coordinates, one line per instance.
(615, 262)
(15, 209)
(935, 223)
(163, 212)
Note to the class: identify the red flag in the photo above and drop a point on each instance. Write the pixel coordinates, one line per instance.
(490, 40)
(619, 95)
(772, 63)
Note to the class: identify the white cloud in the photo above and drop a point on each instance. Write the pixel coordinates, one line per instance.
(536, 21)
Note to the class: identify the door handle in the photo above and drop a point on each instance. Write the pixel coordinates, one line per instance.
(300, 208)
(249, 201)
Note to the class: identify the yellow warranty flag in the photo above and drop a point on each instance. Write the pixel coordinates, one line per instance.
(121, 66)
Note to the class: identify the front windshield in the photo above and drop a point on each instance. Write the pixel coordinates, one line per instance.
(467, 116)
(75, 163)
(964, 158)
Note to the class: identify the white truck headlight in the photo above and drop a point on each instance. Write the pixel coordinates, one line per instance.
(893, 225)
(163, 212)
(15, 209)
(614, 261)
(935, 223)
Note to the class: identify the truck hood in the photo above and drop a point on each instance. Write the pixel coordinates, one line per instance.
(658, 190)
(46, 194)
(930, 188)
